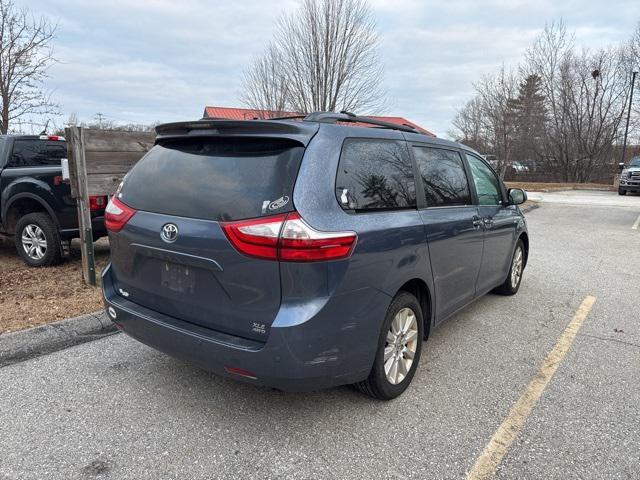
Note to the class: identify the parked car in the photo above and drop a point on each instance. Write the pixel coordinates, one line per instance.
(36, 206)
(630, 177)
(306, 254)
(518, 167)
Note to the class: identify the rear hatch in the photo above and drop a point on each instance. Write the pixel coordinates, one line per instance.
(185, 187)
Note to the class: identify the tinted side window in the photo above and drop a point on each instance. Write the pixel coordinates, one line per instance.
(486, 182)
(56, 151)
(375, 175)
(32, 153)
(445, 182)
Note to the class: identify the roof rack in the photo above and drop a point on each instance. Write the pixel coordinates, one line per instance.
(333, 117)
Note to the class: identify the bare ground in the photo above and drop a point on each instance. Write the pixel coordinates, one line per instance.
(34, 296)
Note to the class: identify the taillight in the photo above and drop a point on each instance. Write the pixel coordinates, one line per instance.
(257, 237)
(117, 214)
(288, 238)
(97, 202)
(299, 242)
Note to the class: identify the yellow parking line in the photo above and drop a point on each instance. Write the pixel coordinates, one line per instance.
(636, 225)
(488, 461)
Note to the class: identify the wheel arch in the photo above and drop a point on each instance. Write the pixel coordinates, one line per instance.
(524, 236)
(419, 289)
(23, 204)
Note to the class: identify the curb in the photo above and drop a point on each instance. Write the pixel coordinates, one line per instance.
(25, 344)
(569, 189)
(528, 208)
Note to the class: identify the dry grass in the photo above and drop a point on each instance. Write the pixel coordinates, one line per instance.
(535, 186)
(34, 296)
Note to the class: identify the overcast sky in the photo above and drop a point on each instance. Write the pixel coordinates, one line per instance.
(144, 61)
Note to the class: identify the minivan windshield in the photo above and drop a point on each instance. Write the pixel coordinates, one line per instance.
(215, 178)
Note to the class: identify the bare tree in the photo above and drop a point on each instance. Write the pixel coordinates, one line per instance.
(585, 94)
(633, 64)
(546, 58)
(487, 122)
(264, 84)
(565, 112)
(25, 56)
(469, 126)
(324, 57)
(595, 91)
(496, 95)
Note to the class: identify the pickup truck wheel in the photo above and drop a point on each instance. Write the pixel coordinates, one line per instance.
(37, 240)
(622, 191)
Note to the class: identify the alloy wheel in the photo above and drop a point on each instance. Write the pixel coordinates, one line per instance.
(400, 347)
(34, 241)
(516, 267)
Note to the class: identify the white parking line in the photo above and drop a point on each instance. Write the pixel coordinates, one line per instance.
(636, 225)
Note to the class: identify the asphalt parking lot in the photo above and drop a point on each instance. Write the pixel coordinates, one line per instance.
(114, 408)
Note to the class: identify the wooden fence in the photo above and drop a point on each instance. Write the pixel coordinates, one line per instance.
(98, 160)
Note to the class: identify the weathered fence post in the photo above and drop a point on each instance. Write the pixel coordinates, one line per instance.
(79, 190)
(98, 160)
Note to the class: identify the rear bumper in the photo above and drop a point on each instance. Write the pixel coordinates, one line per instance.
(308, 347)
(97, 227)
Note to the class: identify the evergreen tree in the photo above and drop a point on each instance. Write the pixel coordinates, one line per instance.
(530, 116)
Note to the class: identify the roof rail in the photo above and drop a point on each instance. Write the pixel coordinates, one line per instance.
(333, 117)
(287, 117)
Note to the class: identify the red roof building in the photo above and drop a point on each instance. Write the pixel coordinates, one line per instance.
(249, 114)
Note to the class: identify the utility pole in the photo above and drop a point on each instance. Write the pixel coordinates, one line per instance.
(626, 128)
(99, 117)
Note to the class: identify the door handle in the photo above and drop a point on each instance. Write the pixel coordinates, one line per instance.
(477, 221)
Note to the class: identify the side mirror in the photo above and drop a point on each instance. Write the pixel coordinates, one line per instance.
(620, 167)
(517, 196)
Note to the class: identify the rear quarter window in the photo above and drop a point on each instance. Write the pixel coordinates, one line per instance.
(375, 175)
(37, 153)
(215, 178)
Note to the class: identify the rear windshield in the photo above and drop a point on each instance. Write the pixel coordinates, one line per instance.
(216, 179)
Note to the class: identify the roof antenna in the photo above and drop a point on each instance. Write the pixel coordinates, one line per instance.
(44, 130)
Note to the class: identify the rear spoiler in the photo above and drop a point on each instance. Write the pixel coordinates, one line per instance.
(298, 131)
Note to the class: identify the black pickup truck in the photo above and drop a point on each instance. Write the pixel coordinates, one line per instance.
(36, 206)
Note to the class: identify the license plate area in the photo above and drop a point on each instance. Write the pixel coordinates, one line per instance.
(178, 278)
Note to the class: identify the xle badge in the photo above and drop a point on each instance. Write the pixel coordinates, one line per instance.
(259, 327)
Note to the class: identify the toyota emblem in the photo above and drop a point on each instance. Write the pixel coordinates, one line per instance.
(169, 233)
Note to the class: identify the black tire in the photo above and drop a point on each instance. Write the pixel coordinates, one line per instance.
(377, 385)
(508, 287)
(622, 191)
(51, 255)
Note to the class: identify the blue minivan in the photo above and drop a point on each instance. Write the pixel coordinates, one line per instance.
(306, 253)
